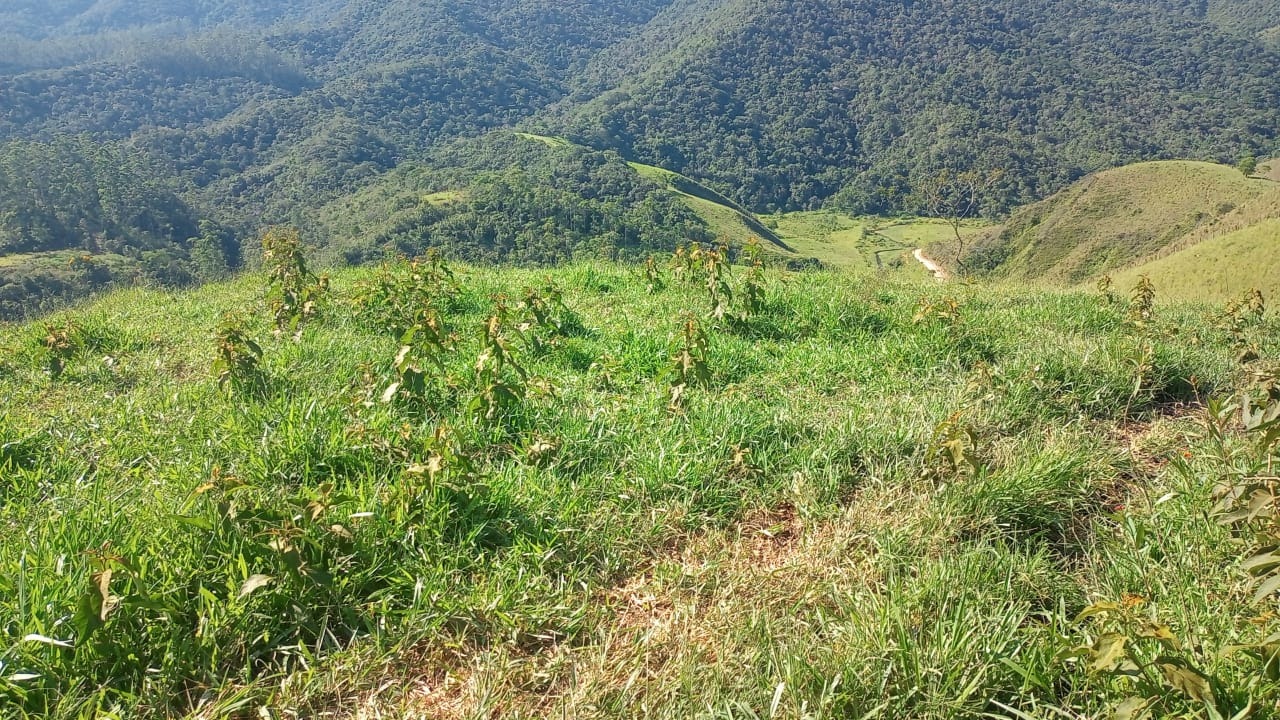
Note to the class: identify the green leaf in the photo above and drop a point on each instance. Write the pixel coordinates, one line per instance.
(150, 603)
(1029, 677)
(88, 617)
(192, 522)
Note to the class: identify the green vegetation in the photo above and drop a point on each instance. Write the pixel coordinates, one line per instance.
(612, 444)
(846, 241)
(215, 120)
(1251, 18)
(551, 142)
(834, 238)
(796, 104)
(1218, 269)
(76, 216)
(510, 197)
(262, 113)
(1118, 218)
(406, 214)
(253, 114)
(724, 218)
(696, 488)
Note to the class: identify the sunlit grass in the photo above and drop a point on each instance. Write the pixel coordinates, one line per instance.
(790, 541)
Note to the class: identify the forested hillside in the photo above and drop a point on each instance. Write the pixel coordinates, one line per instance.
(505, 197)
(76, 216)
(1256, 18)
(253, 116)
(249, 115)
(788, 104)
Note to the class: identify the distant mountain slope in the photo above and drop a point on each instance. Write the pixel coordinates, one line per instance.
(46, 18)
(1257, 18)
(512, 198)
(227, 97)
(790, 103)
(1116, 218)
(250, 114)
(76, 216)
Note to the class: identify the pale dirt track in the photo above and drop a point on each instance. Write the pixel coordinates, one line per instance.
(931, 266)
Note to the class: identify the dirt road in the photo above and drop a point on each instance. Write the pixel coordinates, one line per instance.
(931, 266)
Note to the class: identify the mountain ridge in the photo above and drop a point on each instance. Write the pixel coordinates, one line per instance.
(251, 116)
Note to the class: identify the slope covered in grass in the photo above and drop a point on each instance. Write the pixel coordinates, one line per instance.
(1270, 169)
(725, 218)
(853, 494)
(1214, 271)
(1117, 218)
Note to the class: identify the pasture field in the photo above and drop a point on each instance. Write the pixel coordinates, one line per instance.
(602, 491)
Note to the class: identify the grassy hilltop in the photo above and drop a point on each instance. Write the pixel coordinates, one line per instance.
(683, 429)
(1117, 217)
(1200, 231)
(600, 491)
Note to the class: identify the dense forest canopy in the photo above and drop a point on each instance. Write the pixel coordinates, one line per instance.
(250, 114)
(524, 201)
(76, 215)
(789, 104)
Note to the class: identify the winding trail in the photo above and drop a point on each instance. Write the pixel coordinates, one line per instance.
(938, 272)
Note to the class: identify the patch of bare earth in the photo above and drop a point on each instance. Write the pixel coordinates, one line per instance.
(425, 685)
(1149, 444)
(685, 610)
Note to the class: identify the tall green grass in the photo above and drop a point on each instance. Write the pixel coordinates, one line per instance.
(793, 539)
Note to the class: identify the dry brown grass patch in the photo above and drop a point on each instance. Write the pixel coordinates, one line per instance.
(686, 609)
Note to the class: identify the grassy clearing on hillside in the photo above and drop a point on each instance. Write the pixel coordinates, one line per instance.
(549, 141)
(834, 238)
(444, 197)
(923, 232)
(1215, 270)
(1269, 169)
(1116, 218)
(727, 221)
(852, 496)
(862, 242)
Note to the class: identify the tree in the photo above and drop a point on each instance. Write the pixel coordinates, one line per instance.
(1248, 165)
(955, 196)
(214, 252)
